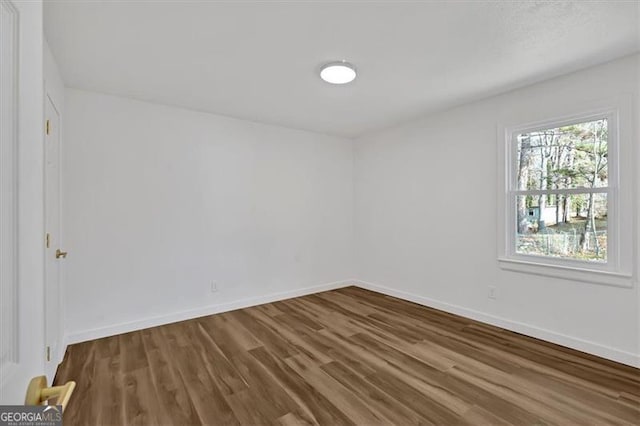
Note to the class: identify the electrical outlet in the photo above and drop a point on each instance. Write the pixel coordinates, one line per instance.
(493, 292)
(214, 286)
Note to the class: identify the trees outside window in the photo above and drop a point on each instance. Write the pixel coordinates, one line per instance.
(561, 191)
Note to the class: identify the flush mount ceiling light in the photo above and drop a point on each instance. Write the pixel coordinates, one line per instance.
(339, 72)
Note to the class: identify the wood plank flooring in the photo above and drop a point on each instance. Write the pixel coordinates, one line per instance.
(342, 357)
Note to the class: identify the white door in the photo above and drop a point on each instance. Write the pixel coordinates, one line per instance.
(8, 190)
(54, 251)
(21, 206)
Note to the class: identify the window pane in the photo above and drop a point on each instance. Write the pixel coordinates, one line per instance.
(572, 226)
(573, 156)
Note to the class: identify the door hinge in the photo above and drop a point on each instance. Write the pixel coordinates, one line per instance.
(48, 127)
(48, 353)
(48, 240)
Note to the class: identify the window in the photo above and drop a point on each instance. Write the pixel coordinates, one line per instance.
(566, 207)
(559, 189)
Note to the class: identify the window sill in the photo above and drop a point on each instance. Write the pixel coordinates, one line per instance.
(567, 272)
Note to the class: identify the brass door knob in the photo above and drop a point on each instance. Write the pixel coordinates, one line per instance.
(61, 254)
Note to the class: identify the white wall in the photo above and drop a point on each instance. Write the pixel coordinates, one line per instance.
(160, 201)
(54, 85)
(426, 229)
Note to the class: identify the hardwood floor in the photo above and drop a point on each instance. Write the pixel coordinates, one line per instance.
(342, 357)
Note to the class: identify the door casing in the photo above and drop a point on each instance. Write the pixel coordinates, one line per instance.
(52, 292)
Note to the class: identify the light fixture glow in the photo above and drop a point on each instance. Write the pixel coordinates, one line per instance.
(341, 72)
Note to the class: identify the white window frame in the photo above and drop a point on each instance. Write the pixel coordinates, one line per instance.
(618, 269)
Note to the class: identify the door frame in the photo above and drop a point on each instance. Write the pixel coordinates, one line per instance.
(53, 358)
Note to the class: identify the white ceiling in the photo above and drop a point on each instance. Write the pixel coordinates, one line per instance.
(259, 60)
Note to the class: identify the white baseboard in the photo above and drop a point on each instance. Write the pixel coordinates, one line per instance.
(528, 330)
(607, 352)
(126, 327)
